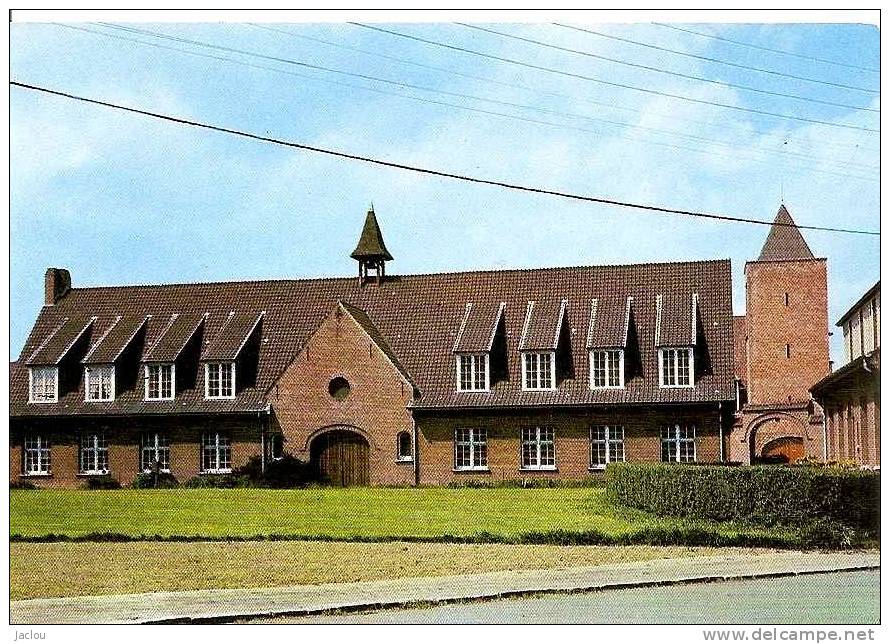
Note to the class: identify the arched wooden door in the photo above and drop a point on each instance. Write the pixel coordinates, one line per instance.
(341, 457)
(787, 449)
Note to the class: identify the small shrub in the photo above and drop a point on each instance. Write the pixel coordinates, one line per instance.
(22, 485)
(285, 472)
(101, 483)
(217, 481)
(822, 533)
(477, 483)
(147, 481)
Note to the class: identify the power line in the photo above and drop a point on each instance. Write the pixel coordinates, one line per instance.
(717, 60)
(660, 70)
(592, 79)
(427, 171)
(770, 49)
(853, 165)
(534, 90)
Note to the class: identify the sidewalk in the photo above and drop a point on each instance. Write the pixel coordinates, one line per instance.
(221, 605)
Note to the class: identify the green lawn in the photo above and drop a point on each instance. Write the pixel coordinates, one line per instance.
(330, 512)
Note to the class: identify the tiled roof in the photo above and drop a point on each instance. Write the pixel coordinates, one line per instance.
(676, 319)
(543, 322)
(418, 317)
(174, 337)
(370, 244)
(115, 340)
(609, 321)
(784, 241)
(56, 344)
(478, 328)
(365, 322)
(236, 330)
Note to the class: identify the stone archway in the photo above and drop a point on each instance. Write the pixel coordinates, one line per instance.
(340, 456)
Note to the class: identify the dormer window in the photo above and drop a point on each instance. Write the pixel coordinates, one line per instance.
(676, 367)
(99, 383)
(539, 370)
(219, 380)
(43, 384)
(160, 381)
(473, 372)
(606, 369)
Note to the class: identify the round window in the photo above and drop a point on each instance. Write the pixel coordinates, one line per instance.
(338, 388)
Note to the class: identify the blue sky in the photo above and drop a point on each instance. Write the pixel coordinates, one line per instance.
(122, 199)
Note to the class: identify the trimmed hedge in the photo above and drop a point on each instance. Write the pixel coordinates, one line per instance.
(769, 495)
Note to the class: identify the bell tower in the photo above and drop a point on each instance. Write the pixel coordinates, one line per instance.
(371, 253)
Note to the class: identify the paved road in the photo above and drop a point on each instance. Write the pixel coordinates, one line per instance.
(829, 598)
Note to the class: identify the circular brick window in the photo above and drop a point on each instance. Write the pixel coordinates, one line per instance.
(338, 388)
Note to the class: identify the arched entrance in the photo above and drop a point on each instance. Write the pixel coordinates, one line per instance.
(785, 450)
(777, 438)
(340, 457)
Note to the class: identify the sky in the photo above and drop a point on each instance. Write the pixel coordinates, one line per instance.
(118, 198)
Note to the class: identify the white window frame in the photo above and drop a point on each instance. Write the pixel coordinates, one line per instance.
(157, 442)
(677, 434)
(219, 443)
(42, 451)
(404, 458)
(676, 370)
(42, 374)
(607, 361)
(477, 438)
(89, 373)
(160, 367)
(473, 359)
(528, 357)
(610, 443)
(538, 442)
(220, 366)
(97, 444)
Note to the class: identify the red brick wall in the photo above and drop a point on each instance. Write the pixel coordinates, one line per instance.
(124, 438)
(853, 417)
(642, 440)
(803, 324)
(376, 405)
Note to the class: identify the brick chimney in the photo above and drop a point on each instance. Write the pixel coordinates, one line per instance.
(56, 285)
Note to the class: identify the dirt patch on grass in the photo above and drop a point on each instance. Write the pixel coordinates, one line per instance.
(116, 568)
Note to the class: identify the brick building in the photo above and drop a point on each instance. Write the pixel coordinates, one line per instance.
(851, 395)
(429, 379)
(781, 348)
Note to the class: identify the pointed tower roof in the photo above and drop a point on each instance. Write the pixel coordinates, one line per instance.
(370, 244)
(784, 241)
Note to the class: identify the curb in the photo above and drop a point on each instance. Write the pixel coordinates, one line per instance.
(507, 594)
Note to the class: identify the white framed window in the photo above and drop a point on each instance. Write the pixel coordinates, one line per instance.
(538, 448)
(607, 369)
(470, 449)
(37, 456)
(678, 443)
(472, 372)
(99, 383)
(676, 367)
(160, 381)
(276, 447)
(216, 453)
(43, 384)
(606, 445)
(404, 447)
(93, 454)
(539, 370)
(155, 449)
(219, 380)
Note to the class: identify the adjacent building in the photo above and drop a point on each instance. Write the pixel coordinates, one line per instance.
(851, 395)
(425, 379)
